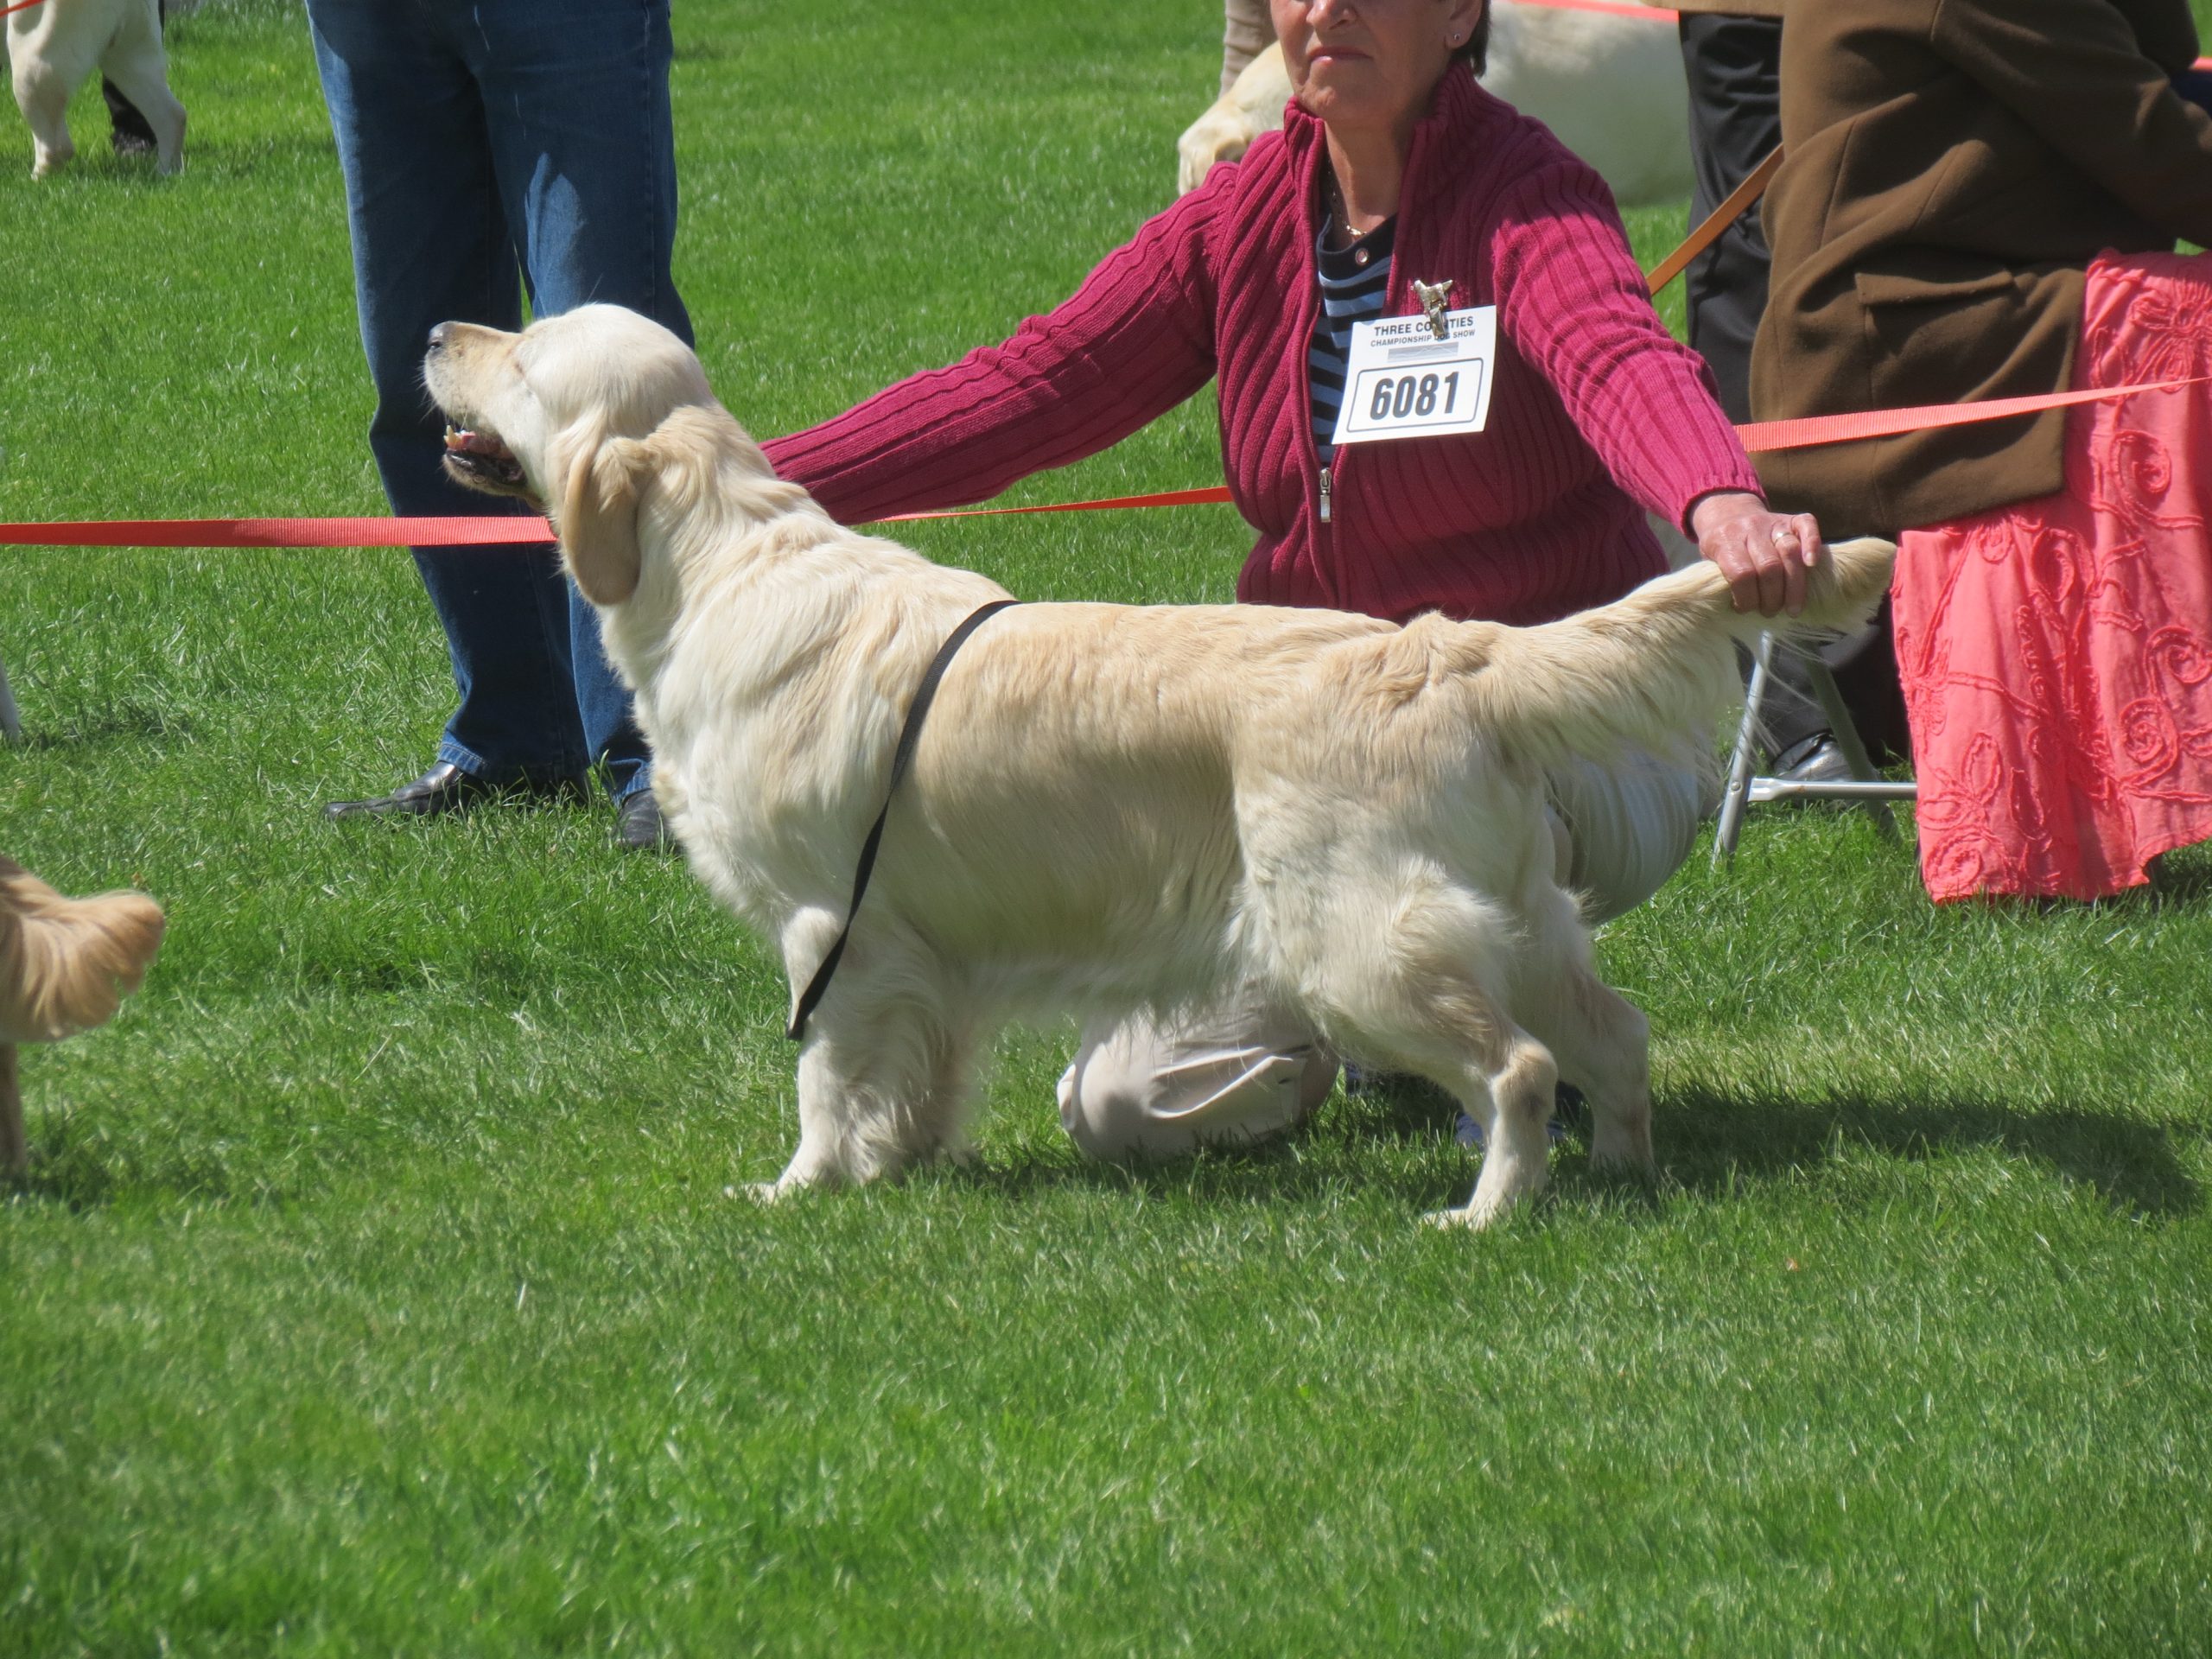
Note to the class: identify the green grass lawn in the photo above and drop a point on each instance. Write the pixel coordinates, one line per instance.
(377, 1290)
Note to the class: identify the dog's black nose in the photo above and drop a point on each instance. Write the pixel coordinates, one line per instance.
(438, 336)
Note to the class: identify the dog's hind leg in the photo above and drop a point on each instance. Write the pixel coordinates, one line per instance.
(1438, 1009)
(1613, 1047)
(42, 94)
(136, 63)
(1601, 1041)
(1506, 1078)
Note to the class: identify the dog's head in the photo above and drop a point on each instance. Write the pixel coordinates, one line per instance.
(560, 415)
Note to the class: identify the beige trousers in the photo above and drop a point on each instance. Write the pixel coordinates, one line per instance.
(1248, 29)
(1232, 1072)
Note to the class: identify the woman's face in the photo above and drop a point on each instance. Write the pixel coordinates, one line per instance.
(1369, 64)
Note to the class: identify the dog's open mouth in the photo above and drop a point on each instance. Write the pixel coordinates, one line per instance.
(480, 458)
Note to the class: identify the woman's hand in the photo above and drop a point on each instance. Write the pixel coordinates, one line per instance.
(1764, 555)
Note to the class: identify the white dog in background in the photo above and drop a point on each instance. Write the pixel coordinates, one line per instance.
(1111, 806)
(1610, 87)
(53, 47)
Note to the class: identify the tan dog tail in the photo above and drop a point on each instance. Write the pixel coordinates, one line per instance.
(65, 965)
(1650, 670)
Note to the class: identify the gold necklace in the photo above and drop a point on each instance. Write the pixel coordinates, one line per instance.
(1342, 211)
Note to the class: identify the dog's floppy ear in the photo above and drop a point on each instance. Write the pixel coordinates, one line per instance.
(598, 516)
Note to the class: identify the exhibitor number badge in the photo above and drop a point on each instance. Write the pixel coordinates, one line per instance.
(1401, 381)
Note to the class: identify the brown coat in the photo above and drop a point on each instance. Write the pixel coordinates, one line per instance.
(1954, 166)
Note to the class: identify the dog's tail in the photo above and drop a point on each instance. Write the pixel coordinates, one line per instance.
(66, 963)
(1647, 670)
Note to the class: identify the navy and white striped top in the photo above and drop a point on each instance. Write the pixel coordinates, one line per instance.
(1352, 283)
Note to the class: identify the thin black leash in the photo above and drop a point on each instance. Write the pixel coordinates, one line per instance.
(910, 737)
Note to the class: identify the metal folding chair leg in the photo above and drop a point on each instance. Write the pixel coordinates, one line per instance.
(11, 725)
(1867, 786)
(1738, 796)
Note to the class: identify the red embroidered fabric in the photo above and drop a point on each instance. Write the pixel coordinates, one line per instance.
(2056, 654)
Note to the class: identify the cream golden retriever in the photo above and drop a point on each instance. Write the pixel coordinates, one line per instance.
(65, 965)
(54, 48)
(1112, 806)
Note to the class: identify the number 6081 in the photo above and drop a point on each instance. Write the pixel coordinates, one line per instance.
(1410, 394)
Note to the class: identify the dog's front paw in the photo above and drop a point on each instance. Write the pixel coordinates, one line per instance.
(1475, 1216)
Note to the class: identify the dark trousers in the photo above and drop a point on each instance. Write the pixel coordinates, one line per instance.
(488, 145)
(1734, 67)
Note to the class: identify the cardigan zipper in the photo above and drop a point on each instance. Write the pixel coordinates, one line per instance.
(1309, 311)
(1325, 472)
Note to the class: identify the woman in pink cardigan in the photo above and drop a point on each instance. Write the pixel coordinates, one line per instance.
(1394, 166)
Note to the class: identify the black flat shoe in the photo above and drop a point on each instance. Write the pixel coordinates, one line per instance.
(1818, 760)
(639, 826)
(446, 788)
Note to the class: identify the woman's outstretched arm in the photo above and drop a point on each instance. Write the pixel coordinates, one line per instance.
(1134, 341)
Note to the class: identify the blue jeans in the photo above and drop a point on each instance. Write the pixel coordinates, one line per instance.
(488, 145)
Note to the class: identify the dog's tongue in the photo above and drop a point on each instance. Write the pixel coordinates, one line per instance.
(474, 443)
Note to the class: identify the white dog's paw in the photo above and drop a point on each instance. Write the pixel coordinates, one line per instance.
(1473, 1218)
(759, 1192)
(1485, 1207)
(1448, 1219)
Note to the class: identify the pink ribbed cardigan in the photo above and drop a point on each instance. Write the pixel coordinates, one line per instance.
(1596, 407)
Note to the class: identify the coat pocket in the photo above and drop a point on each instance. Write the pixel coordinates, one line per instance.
(1933, 342)
(1878, 290)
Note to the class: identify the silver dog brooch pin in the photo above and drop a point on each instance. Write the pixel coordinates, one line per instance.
(1433, 297)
